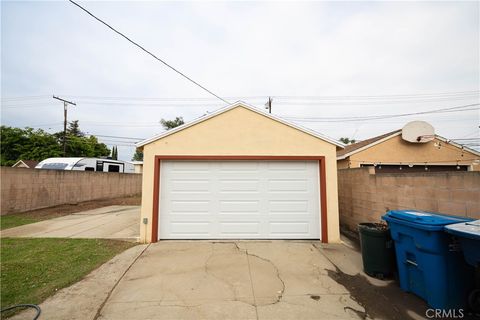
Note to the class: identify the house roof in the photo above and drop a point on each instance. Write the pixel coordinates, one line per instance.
(365, 144)
(246, 106)
(356, 147)
(28, 163)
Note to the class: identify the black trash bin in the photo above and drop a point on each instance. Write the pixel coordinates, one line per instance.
(378, 252)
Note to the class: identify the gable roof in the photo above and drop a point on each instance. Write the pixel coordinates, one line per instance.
(362, 145)
(28, 163)
(365, 144)
(233, 106)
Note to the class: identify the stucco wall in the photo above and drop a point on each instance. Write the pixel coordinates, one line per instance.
(397, 150)
(24, 189)
(365, 196)
(241, 132)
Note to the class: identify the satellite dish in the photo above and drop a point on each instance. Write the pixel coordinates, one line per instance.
(418, 132)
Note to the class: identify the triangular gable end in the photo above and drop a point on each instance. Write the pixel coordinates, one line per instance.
(246, 106)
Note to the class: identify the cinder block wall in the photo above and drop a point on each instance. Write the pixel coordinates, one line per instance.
(364, 196)
(28, 189)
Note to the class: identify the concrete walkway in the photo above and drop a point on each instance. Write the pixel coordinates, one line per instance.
(112, 222)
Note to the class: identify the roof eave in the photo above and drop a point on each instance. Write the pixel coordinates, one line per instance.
(141, 144)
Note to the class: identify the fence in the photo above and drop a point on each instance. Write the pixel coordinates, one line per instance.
(364, 196)
(29, 189)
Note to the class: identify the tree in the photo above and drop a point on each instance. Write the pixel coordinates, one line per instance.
(347, 140)
(138, 155)
(30, 144)
(114, 153)
(83, 146)
(170, 124)
(99, 149)
(74, 129)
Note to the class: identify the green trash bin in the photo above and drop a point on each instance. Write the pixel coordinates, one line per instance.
(378, 252)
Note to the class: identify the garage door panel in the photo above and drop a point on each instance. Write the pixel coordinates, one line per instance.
(291, 228)
(287, 206)
(239, 206)
(240, 227)
(287, 166)
(238, 185)
(191, 216)
(239, 199)
(196, 186)
(288, 185)
(179, 206)
(238, 166)
(238, 216)
(187, 166)
(179, 227)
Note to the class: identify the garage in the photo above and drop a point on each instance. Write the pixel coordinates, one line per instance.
(239, 199)
(239, 173)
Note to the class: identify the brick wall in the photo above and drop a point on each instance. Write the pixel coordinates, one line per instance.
(28, 189)
(365, 196)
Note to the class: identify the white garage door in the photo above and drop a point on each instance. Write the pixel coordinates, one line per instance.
(239, 200)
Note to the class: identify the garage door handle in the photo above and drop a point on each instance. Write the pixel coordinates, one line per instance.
(413, 263)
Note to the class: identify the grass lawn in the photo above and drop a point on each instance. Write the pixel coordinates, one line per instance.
(15, 220)
(18, 219)
(33, 269)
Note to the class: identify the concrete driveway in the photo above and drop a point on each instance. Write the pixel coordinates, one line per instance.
(230, 280)
(112, 222)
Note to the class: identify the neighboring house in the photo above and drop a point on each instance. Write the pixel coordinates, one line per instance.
(30, 164)
(392, 153)
(138, 166)
(239, 173)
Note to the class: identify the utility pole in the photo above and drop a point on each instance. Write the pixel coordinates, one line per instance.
(65, 105)
(268, 105)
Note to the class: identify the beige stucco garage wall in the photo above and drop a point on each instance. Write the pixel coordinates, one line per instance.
(396, 150)
(241, 131)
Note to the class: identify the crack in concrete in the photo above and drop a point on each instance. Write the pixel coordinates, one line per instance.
(279, 295)
(230, 285)
(277, 271)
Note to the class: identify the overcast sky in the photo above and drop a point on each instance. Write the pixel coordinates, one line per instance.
(314, 58)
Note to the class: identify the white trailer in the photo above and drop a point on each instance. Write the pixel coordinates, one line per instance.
(87, 164)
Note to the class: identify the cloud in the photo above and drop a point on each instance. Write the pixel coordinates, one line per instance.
(240, 49)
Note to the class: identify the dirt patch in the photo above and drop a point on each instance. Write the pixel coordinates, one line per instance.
(375, 299)
(385, 302)
(65, 209)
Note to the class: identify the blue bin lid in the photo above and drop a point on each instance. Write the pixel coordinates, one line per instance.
(469, 229)
(424, 218)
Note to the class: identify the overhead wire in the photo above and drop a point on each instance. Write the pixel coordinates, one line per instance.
(148, 52)
(463, 108)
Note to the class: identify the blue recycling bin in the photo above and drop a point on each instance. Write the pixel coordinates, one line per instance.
(428, 263)
(469, 236)
(468, 233)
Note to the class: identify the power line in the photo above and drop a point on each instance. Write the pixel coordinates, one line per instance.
(457, 109)
(148, 52)
(401, 96)
(367, 102)
(100, 135)
(386, 116)
(336, 97)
